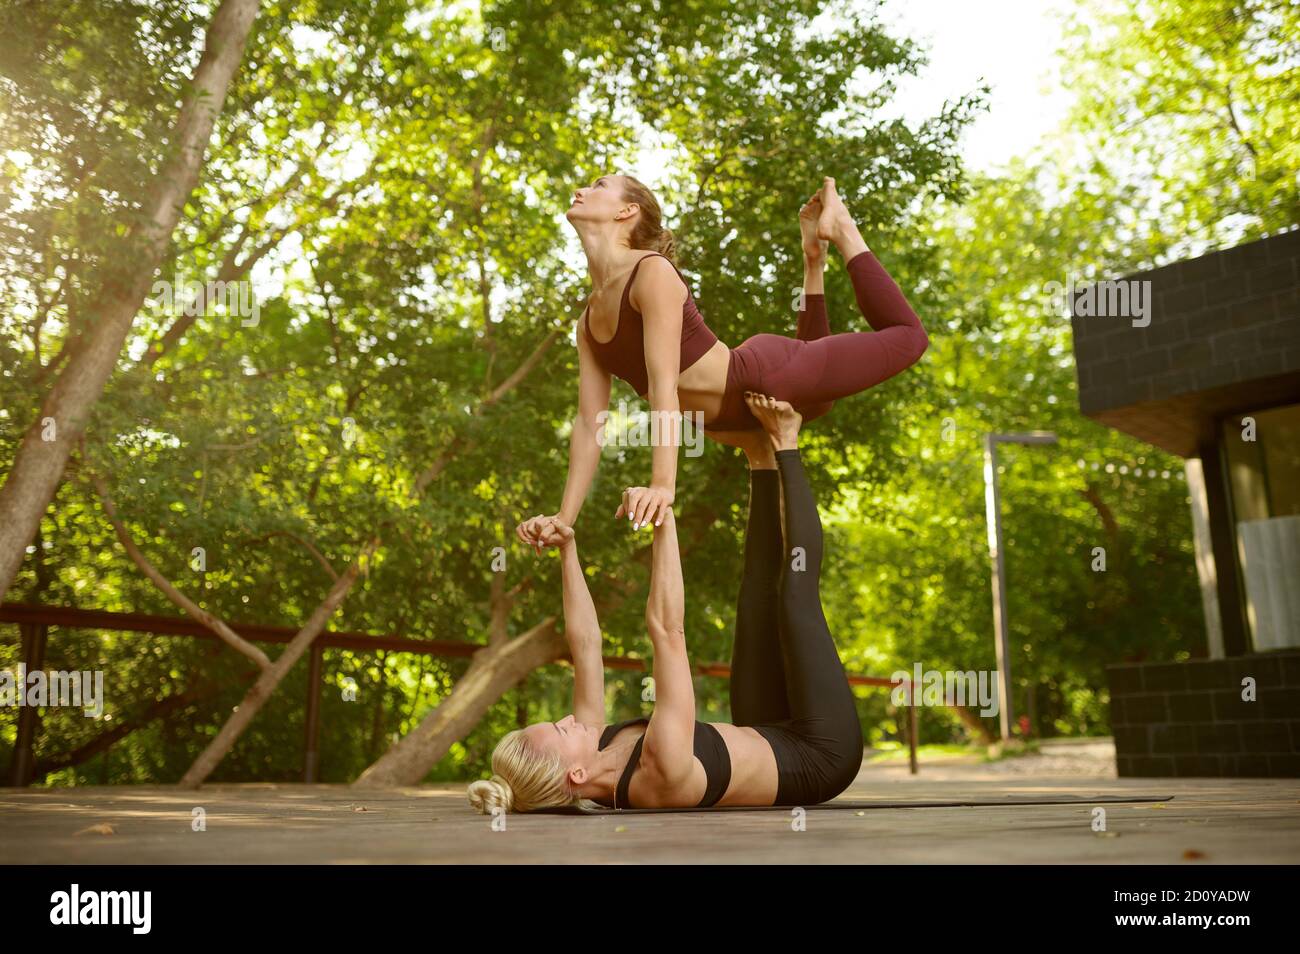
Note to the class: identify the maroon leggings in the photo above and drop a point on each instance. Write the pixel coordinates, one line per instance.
(816, 368)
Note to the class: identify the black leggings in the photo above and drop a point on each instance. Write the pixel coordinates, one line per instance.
(787, 681)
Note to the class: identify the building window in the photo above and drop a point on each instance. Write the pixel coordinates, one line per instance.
(1262, 454)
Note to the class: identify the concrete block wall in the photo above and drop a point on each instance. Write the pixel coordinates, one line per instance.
(1226, 317)
(1188, 719)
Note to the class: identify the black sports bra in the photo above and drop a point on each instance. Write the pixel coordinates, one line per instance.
(710, 749)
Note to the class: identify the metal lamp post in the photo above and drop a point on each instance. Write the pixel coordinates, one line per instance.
(992, 502)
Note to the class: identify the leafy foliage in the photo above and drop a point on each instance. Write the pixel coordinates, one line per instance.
(390, 176)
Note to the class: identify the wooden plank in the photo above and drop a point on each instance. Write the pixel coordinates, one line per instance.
(1226, 820)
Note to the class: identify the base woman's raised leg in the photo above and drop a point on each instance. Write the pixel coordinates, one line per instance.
(758, 690)
(822, 707)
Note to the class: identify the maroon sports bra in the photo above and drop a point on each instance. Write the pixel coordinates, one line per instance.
(624, 354)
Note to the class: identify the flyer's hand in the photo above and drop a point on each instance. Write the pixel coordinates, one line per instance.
(643, 505)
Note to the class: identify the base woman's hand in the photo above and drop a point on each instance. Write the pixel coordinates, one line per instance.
(542, 531)
(555, 533)
(529, 532)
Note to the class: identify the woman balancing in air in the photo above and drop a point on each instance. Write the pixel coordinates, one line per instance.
(795, 737)
(648, 331)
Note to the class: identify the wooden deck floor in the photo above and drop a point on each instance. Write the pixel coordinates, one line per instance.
(1220, 821)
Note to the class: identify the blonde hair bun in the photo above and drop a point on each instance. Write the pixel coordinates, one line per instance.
(486, 795)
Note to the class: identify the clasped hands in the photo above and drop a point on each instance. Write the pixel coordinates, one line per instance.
(542, 531)
(641, 505)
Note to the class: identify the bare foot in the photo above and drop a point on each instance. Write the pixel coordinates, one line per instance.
(814, 247)
(779, 419)
(836, 225)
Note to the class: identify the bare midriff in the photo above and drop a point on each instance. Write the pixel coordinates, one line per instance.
(753, 772)
(701, 386)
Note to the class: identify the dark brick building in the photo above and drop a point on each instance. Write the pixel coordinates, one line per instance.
(1204, 362)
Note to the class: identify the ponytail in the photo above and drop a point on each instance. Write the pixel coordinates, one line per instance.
(649, 233)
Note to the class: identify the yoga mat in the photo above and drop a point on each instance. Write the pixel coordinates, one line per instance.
(847, 805)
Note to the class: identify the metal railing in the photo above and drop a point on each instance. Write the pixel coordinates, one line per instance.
(35, 620)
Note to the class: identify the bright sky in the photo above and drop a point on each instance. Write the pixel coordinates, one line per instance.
(1011, 44)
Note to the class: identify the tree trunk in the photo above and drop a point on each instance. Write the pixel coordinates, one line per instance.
(40, 462)
(195, 612)
(159, 709)
(494, 670)
(270, 678)
(501, 665)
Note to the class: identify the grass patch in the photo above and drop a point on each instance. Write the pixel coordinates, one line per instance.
(887, 752)
(895, 751)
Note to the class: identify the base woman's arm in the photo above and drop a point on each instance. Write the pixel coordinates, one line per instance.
(581, 631)
(670, 736)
